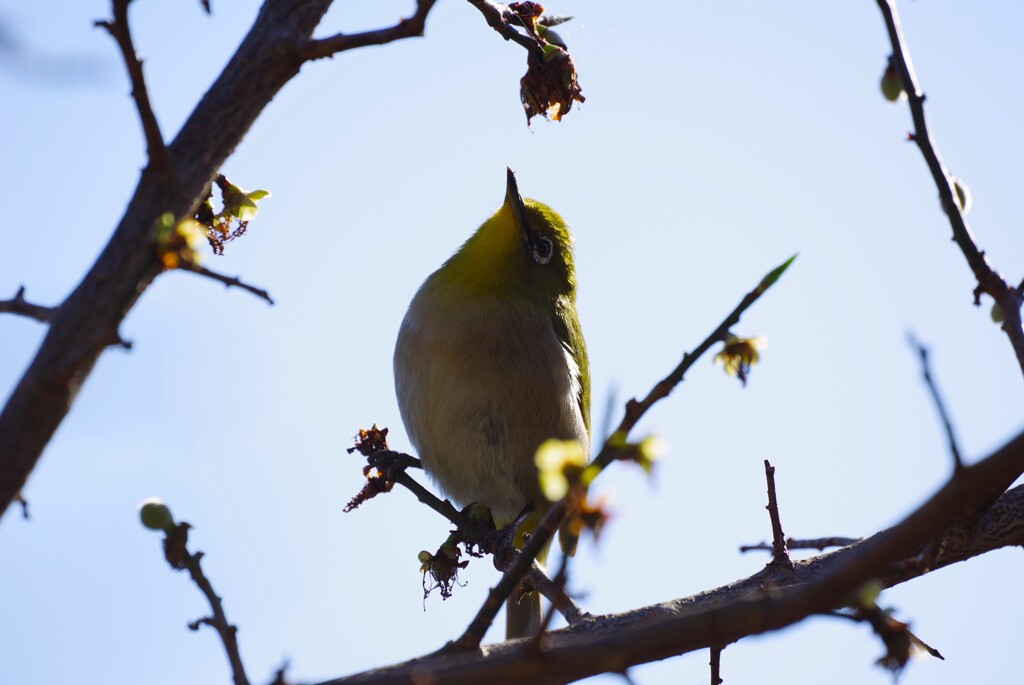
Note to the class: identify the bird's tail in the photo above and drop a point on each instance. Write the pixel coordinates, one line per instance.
(522, 619)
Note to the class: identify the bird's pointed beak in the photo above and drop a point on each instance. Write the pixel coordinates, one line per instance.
(514, 200)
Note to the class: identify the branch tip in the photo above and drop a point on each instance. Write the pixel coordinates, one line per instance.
(781, 557)
(411, 27)
(228, 281)
(940, 406)
(989, 280)
(19, 305)
(120, 31)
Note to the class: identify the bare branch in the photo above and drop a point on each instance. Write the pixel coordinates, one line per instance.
(20, 499)
(119, 29)
(82, 327)
(940, 406)
(228, 281)
(819, 544)
(1008, 298)
(178, 556)
(716, 666)
(781, 555)
(19, 305)
(471, 638)
(393, 464)
(636, 409)
(718, 617)
(405, 28)
(501, 19)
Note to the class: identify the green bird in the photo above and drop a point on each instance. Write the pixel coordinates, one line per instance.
(490, 362)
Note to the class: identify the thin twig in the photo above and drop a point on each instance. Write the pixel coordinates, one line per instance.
(20, 499)
(636, 409)
(18, 305)
(553, 589)
(219, 620)
(228, 281)
(118, 28)
(940, 406)
(722, 616)
(501, 20)
(550, 589)
(716, 666)
(562, 603)
(474, 633)
(819, 544)
(781, 554)
(405, 28)
(1008, 298)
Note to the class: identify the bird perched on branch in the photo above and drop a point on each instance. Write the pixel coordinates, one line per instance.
(490, 362)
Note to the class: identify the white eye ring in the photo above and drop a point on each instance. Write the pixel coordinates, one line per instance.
(542, 250)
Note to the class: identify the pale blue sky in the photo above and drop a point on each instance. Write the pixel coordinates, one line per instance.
(716, 140)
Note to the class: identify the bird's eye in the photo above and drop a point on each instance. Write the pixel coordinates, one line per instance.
(542, 250)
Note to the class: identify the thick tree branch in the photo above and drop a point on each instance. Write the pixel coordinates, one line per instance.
(1007, 297)
(119, 29)
(82, 327)
(405, 28)
(615, 642)
(19, 305)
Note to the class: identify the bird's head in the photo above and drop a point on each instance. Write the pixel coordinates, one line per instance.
(523, 250)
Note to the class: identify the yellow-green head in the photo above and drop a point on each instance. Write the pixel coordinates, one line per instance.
(523, 251)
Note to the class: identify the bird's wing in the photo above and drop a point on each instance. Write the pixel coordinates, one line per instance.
(567, 326)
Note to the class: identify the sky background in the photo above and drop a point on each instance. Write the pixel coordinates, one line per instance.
(717, 139)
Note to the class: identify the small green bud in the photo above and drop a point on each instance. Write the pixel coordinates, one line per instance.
(478, 514)
(963, 195)
(996, 313)
(552, 52)
(869, 593)
(775, 274)
(892, 89)
(155, 514)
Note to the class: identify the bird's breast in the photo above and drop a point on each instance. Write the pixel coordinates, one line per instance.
(480, 384)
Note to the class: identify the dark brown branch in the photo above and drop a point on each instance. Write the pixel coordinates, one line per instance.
(819, 544)
(989, 281)
(558, 581)
(552, 590)
(228, 281)
(20, 499)
(405, 28)
(82, 327)
(636, 409)
(504, 22)
(119, 29)
(473, 635)
(781, 555)
(716, 666)
(19, 305)
(218, 621)
(717, 617)
(940, 406)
